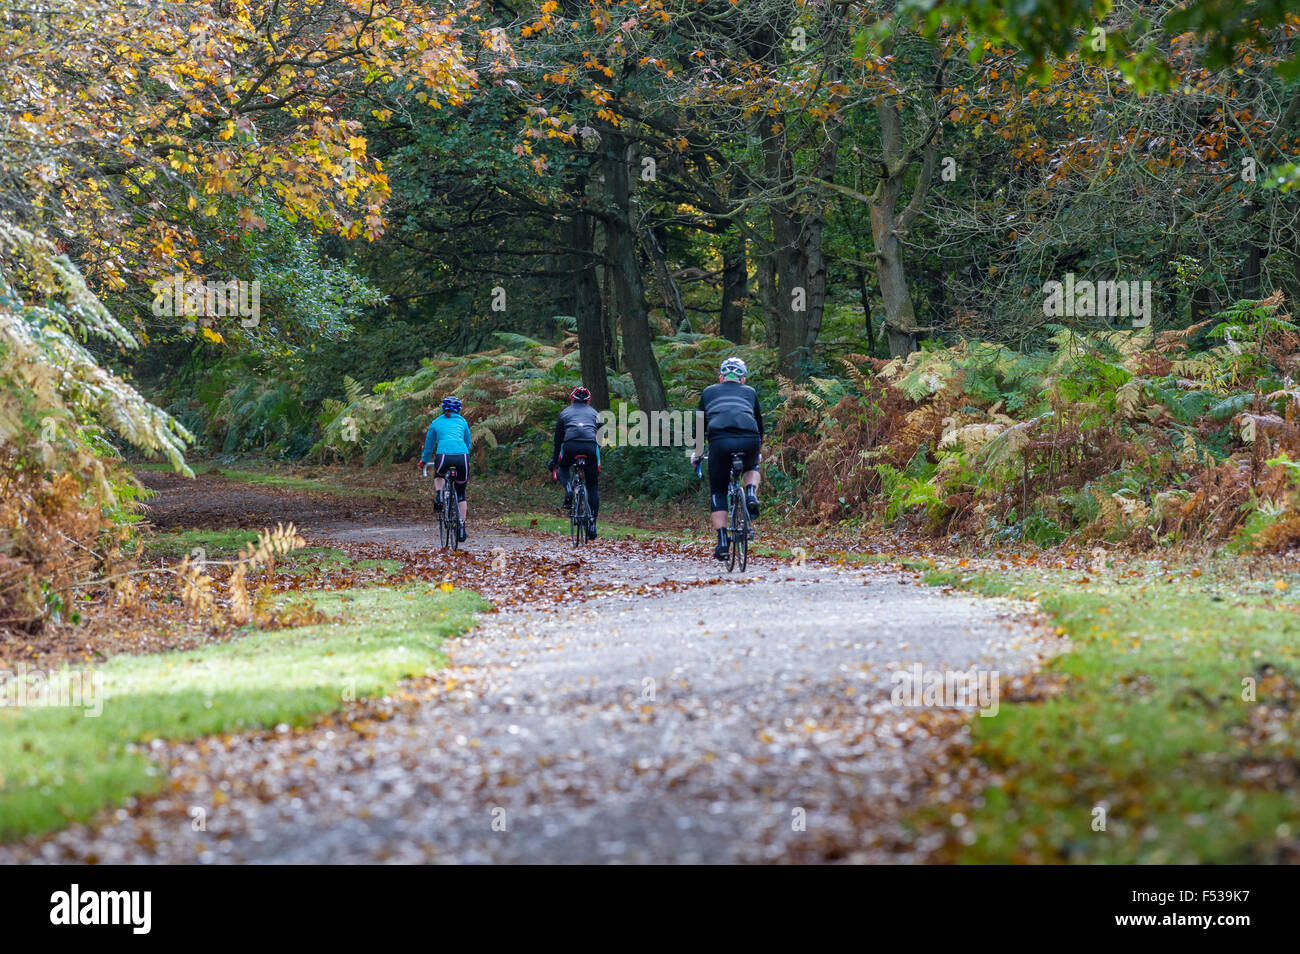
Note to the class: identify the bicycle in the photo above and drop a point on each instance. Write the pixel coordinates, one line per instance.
(449, 524)
(580, 509)
(740, 529)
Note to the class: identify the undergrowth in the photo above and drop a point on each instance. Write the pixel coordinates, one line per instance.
(1121, 436)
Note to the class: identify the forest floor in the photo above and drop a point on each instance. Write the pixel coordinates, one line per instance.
(632, 701)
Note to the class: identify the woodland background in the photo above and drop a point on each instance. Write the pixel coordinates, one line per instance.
(500, 200)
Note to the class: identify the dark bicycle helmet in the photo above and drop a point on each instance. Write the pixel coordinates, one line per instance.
(580, 394)
(451, 404)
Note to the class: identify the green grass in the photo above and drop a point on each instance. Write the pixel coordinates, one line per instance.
(616, 531)
(703, 537)
(216, 544)
(311, 484)
(276, 478)
(57, 765)
(226, 544)
(154, 465)
(551, 523)
(490, 493)
(1151, 725)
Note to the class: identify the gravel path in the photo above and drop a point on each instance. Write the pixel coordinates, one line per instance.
(744, 721)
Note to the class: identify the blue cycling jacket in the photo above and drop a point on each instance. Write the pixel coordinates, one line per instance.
(448, 434)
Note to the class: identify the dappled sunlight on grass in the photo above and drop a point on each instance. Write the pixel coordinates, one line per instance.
(1176, 717)
(57, 765)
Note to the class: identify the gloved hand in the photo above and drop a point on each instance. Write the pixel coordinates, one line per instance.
(551, 465)
(420, 465)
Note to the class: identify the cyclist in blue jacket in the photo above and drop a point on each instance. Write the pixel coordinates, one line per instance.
(446, 444)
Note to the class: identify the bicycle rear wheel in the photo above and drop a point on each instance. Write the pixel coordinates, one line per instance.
(732, 550)
(453, 525)
(444, 530)
(742, 532)
(744, 536)
(578, 519)
(736, 550)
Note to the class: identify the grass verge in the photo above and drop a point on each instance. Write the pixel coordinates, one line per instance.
(1173, 738)
(318, 485)
(226, 544)
(59, 765)
(553, 523)
(494, 493)
(700, 536)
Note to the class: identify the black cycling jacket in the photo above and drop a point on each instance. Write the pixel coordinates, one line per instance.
(731, 410)
(577, 422)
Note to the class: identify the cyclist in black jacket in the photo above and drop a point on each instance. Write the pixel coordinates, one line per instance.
(576, 432)
(732, 422)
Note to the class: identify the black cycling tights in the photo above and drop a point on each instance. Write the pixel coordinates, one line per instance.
(720, 451)
(461, 462)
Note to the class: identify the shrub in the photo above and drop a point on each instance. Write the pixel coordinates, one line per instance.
(63, 493)
(1127, 436)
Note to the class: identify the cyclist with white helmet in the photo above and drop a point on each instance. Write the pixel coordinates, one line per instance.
(733, 423)
(577, 435)
(446, 445)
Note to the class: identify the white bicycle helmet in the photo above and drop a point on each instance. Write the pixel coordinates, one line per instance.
(733, 368)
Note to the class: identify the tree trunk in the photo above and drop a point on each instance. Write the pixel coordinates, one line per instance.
(767, 297)
(900, 318)
(587, 305)
(864, 292)
(609, 302)
(735, 288)
(1293, 292)
(888, 224)
(1205, 302)
(813, 263)
(796, 297)
(1255, 252)
(786, 298)
(672, 296)
(621, 248)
